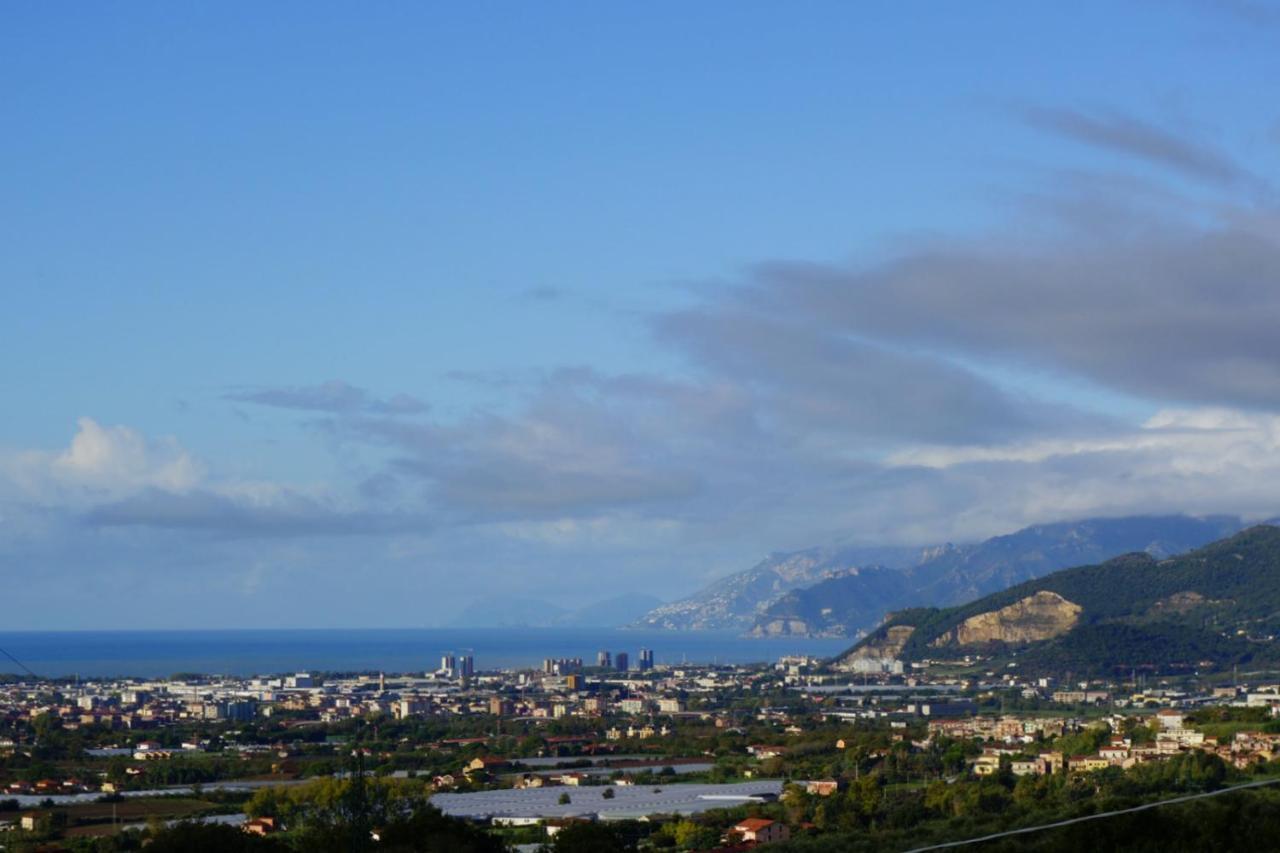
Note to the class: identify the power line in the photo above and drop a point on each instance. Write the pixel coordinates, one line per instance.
(1026, 829)
(20, 663)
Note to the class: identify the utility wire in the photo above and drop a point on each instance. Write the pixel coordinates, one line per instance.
(21, 664)
(1145, 806)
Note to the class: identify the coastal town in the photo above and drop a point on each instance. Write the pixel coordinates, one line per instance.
(745, 755)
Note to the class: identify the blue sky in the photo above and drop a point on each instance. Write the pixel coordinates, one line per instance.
(381, 308)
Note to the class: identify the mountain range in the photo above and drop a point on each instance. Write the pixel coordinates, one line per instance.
(732, 603)
(1217, 605)
(846, 591)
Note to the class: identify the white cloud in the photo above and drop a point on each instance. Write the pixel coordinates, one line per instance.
(100, 463)
(1203, 441)
(121, 459)
(117, 477)
(1200, 461)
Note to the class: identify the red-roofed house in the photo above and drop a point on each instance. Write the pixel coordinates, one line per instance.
(759, 830)
(260, 826)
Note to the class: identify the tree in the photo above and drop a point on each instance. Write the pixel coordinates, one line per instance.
(45, 725)
(694, 836)
(211, 838)
(356, 803)
(864, 794)
(564, 799)
(586, 838)
(428, 830)
(1029, 790)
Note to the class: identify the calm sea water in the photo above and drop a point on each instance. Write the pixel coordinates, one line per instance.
(159, 653)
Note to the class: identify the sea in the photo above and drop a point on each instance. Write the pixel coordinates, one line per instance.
(151, 654)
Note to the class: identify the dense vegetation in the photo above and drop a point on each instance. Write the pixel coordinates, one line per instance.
(897, 792)
(1237, 821)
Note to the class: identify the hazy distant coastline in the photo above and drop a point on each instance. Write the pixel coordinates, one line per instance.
(251, 652)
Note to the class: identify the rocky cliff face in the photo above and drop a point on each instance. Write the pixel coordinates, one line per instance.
(784, 628)
(1041, 616)
(887, 648)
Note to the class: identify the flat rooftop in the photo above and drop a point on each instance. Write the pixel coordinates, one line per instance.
(629, 801)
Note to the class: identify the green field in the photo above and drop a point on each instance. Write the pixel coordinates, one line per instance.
(97, 818)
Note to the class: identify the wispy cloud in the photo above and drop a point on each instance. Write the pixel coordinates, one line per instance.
(334, 396)
(1256, 13)
(1130, 136)
(542, 293)
(288, 514)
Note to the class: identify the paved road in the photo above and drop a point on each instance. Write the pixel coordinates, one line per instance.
(1099, 816)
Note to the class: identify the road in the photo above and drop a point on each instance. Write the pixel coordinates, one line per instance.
(28, 801)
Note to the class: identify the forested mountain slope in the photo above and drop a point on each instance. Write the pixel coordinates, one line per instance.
(1219, 603)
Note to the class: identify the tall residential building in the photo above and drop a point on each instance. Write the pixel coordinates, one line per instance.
(646, 659)
(621, 661)
(561, 666)
(240, 711)
(448, 664)
(604, 659)
(466, 666)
